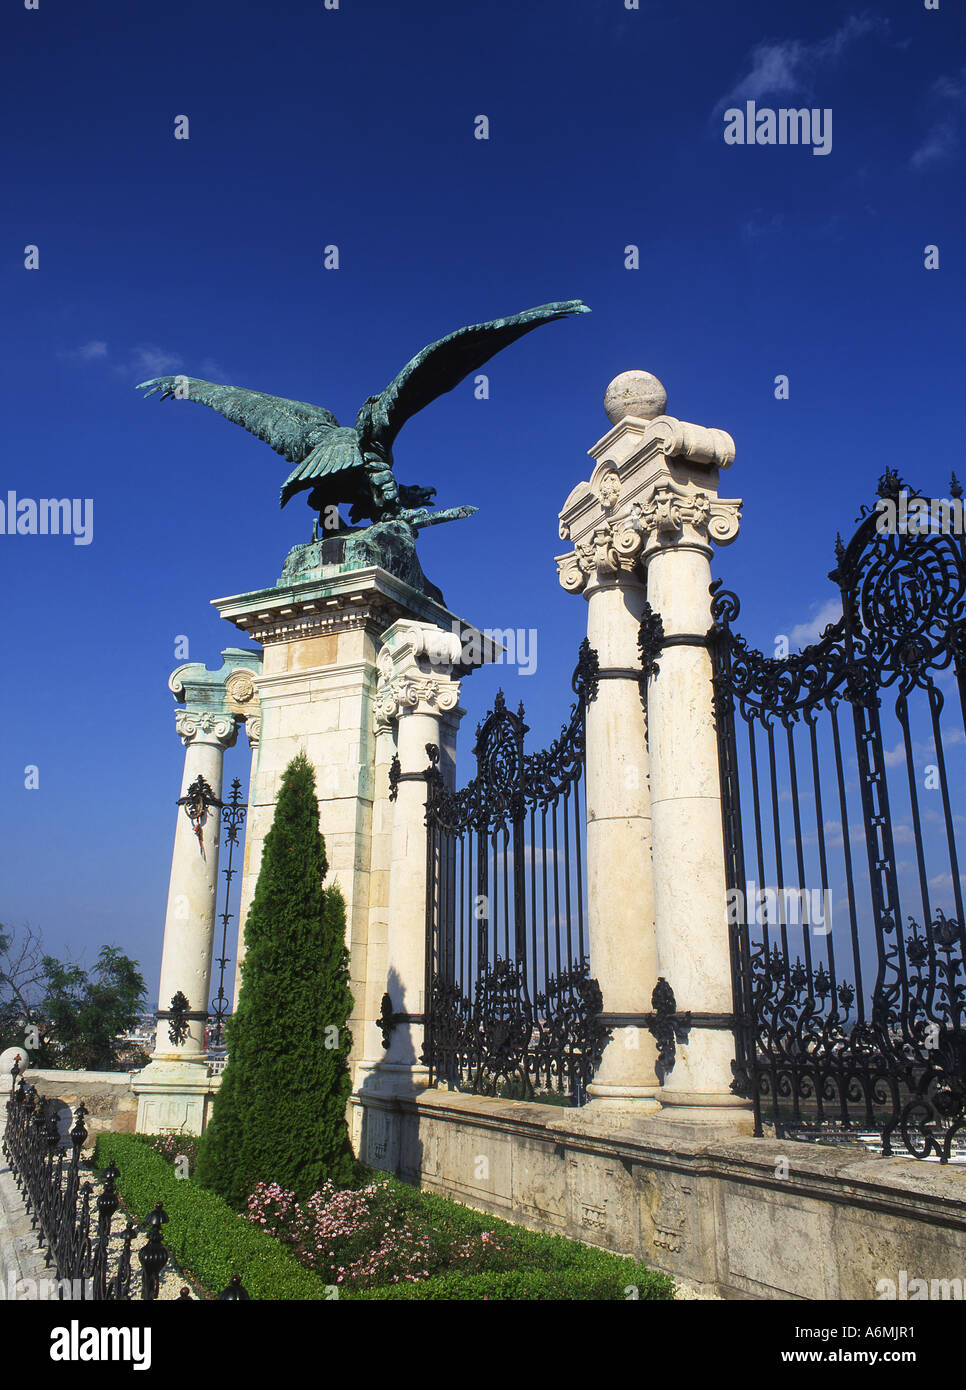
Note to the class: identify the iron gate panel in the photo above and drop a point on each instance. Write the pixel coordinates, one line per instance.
(849, 1019)
(511, 1005)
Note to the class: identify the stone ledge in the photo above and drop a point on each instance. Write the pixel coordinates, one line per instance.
(832, 1174)
(707, 1209)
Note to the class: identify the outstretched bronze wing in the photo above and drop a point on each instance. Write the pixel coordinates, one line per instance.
(443, 365)
(292, 428)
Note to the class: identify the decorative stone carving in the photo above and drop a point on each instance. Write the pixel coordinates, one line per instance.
(204, 727)
(670, 1215)
(609, 489)
(618, 543)
(395, 695)
(413, 672)
(240, 687)
(253, 727)
(655, 482)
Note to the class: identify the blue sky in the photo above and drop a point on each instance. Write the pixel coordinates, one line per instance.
(355, 127)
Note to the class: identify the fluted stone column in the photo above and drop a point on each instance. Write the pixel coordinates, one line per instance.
(659, 935)
(416, 689)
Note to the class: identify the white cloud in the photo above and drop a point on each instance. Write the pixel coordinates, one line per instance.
(804, 634)
(942, 142)
(787, 67)
(145, 360)
(149, 361)
(87, 352)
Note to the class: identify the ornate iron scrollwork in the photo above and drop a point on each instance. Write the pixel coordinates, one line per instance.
(508, 1012)
(233, 816)
(178, 1017)
(880, 1045)
(584, 682)
(389, 1019)
(199, 799)
(386, 1021)
(667, 1027)
(650, 640)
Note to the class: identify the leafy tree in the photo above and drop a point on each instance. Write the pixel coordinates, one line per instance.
(279, 1115)
(21, 976)
(87, 1012)
(77, 1015)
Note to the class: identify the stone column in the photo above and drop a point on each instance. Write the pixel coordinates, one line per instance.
(189, 923)
(694, 956)
(651, 507)
(417, 690)
(174, 1090)
(605, 567)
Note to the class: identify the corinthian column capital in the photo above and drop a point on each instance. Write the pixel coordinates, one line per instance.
(414, 671)
(655, 484)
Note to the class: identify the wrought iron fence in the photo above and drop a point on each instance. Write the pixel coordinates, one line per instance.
(511, 1005)
(233, 815)
(844, 783)
(75, 1228)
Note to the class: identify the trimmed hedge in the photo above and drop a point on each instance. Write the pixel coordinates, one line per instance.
(520, 1284)
(212, 1242)
(203, 1233)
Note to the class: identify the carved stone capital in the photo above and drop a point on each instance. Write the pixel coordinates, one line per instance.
(614, 547)
(202, 726)
(671, 510)
(414, 665)
(253, 727)
(425, 694)
(655, 484)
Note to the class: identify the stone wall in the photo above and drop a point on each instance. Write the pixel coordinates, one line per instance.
(108, 1096)
(715, 1213)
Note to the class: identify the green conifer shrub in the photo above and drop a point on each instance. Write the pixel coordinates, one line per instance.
(279, 1115)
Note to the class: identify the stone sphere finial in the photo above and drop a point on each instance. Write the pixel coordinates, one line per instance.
(635, 393)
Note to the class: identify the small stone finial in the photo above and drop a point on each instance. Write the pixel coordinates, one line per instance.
(635, 393)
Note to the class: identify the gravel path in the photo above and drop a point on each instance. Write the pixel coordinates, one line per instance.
(22, 1260)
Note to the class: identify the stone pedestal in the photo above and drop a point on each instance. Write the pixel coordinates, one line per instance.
(323, 627)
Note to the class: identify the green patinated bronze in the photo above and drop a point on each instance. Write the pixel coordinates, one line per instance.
(338, 464)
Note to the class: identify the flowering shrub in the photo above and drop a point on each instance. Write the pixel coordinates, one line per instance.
(175, 1146)
(365, 1237)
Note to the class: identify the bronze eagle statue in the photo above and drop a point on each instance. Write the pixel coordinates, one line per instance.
(354, 465)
